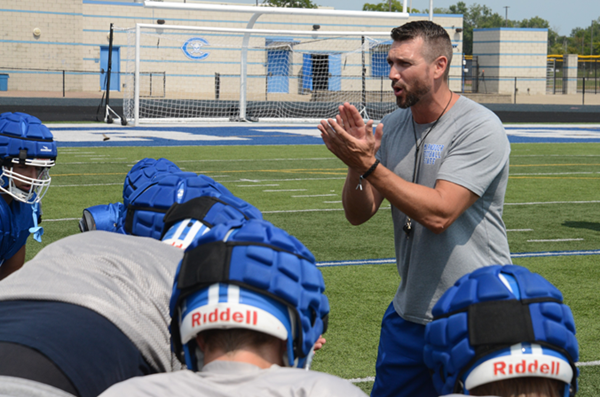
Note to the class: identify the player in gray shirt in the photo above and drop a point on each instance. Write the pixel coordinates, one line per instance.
(442, 162)
(91, 310)
(247, 309)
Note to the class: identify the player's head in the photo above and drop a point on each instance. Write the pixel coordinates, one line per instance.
(502, 327)
(145, 171)
(145, 215)
(27, 151)
(248, 275)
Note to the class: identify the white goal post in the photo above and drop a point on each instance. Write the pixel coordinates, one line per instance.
(188, 73)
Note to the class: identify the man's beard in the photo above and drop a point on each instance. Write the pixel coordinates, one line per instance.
(411, 97)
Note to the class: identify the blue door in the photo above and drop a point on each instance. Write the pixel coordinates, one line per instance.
(379, 64)
(278, 64)
(335, 72)
(115, 76)
(307, 72)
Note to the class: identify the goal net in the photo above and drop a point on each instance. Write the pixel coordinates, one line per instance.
(186, 73)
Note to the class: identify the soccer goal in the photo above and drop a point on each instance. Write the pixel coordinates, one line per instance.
(187, 73)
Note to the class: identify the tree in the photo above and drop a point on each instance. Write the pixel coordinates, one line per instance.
(535, 22)
(385, 6)
(580, 38)
(291, 3)
(477, 16)
(578, 42)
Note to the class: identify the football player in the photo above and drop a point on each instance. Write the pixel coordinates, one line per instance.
(502, 331)
(92, 309)
(27, 151)
(246, 312)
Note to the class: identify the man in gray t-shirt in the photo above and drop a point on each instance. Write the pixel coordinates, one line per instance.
(442, 162)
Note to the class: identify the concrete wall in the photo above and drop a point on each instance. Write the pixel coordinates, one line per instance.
(57, 47)
(73, 32)
(506, 53)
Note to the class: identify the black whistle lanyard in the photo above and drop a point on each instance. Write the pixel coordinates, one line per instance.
(419, 144)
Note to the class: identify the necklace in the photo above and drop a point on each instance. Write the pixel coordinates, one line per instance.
(408, 224)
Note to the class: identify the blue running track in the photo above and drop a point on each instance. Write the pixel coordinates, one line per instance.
(86, 135)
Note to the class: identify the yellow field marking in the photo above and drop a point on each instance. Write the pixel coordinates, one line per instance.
(283, 170)
(286, 171)
(99, 173)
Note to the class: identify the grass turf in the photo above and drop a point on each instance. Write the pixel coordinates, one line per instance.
(299, 189)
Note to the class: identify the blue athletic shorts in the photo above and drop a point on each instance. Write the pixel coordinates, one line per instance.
(400, 369)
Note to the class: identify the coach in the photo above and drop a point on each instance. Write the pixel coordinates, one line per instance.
(441, 160)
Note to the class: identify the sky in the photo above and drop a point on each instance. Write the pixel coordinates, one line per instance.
(562, 15)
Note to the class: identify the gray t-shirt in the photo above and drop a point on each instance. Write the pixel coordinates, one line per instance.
(19, 387)
(468, 147)
(126, 279)
(233, 379)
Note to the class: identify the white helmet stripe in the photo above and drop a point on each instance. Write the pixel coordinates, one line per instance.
(181, 234)
(505, 282)
(516, 349)
(233, 294)
(181, 226)
(213, 294)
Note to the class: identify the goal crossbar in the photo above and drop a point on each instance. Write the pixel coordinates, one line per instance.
(311, 48)
(277, 10)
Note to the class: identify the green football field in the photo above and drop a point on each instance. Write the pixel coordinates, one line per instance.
(552, 205)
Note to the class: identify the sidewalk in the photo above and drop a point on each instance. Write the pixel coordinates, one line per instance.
(559, 99)
(56, 94)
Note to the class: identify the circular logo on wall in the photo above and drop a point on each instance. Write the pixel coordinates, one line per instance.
(193, 48)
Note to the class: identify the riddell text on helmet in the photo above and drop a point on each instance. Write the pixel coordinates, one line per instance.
(526, 367)
(249, 317)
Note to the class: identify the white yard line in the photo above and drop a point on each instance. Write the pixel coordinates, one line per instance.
(266, 185)
(283, 190)
(555, 202)
(314, 195)
(555, 240)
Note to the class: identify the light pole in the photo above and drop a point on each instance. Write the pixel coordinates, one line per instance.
(506, 16)
(592, 38)
(431, 10)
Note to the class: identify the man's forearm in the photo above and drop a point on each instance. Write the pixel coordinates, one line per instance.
(435, 208)
(359, 204)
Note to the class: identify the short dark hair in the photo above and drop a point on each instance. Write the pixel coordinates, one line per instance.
(230, 340)
(436, 39)
(525, 386)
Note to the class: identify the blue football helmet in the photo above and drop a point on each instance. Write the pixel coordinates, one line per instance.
(213, 204)
(110, 217)
(253, 275)
(25, 142)
(148, 170)
(497, 323)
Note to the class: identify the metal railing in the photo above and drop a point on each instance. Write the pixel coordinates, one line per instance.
(153, 84)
